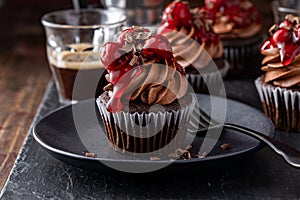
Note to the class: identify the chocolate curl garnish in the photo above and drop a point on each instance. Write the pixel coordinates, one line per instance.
(143, 35)
(108, 87)
(273, 29)
(198, 23)
(134, 60)
(295, 20)
(246, 5)
(207, 26)
(127, 48)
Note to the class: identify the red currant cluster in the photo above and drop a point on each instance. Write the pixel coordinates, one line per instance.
(285, 37)
(240, 12)
(178, 14)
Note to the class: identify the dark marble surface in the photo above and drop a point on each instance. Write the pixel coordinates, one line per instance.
(262, 175)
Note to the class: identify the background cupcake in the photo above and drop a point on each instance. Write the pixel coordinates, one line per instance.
(238, 24)
(146, 105)
(279, 87)
(196, 47)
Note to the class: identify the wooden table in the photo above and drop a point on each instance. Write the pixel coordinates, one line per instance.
(24, 76)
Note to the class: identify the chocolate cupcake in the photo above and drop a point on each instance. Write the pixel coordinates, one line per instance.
(196, 47)
(279, 87)
(238, 24)
(146, 105)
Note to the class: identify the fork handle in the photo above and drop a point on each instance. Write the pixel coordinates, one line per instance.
(290, 154)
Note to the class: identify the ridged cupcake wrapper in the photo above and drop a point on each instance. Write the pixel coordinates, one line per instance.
(143, 133)
(238, 56)
(199, 82)
(281, 105)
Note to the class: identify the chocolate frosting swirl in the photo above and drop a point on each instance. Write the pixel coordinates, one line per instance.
(183, 44)
(227, 30)
(156, 84)
(277, 73)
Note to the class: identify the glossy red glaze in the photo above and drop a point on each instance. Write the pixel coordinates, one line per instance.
(123, 67)
(114, 104)
(110, 52)
(289, 53)
(158, 48)
(281, 36)
(286, 39)
(266, 45)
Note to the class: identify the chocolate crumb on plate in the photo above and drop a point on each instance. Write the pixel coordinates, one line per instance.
(154, 158)
(226, 146)
(91, 155)
(200, 156)
(173, 155)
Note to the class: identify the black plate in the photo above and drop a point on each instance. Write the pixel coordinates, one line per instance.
(58, 134)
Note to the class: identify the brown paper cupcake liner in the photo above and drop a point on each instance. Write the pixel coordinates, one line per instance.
(199, 82)
(281, 105)
(239, 54)
(146, 132)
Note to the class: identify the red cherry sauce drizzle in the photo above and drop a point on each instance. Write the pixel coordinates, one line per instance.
(114, 104)
(123, 68)
(285, 38)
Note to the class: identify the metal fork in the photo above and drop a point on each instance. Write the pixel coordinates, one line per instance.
(290, 154)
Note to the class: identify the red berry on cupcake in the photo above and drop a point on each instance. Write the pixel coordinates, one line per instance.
(289, 53)
(159, 46)
(179, 13)
(281, 36)
(109, 53)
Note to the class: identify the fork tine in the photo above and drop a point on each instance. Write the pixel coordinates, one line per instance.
(198, 121)
(202, 119)
(203, 116)
(207, 118)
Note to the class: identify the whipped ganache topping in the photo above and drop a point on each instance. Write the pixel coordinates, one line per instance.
(141, 66)
(282, 60)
